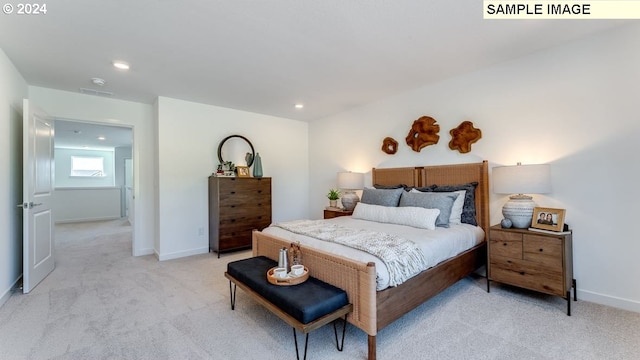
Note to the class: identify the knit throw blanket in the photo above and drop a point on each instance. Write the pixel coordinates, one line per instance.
(402, 257)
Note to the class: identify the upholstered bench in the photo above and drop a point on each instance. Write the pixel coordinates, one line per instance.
(306, 306)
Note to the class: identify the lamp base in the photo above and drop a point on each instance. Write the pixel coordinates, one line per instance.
(519, 209)
(349, 200)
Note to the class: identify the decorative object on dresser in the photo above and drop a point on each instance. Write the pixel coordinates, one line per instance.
(234, 147)
(333, 213)
(257, 166)
(349, 182)
(463, 136)
(520, 180)
(237, 205)
(536, 261)
(242, 171)
(424, 132)
(389, 145)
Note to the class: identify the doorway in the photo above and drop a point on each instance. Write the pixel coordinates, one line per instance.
(105, 194)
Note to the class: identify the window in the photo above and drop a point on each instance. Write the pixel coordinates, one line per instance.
(86, 166)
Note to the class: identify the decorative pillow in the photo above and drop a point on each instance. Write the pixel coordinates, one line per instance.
(382, 197)
(398, 186)
(469, 208)
(411, 216)
(456, 210)
(431, 200)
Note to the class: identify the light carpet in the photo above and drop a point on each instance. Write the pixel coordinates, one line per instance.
(102, 303)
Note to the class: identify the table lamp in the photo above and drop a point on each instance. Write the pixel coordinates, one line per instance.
(349, 182)
(519, 180)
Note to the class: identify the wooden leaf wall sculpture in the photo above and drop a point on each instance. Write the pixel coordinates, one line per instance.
(389, 145)
(424, 132)
(463, 136)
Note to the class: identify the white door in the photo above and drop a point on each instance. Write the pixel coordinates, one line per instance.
(37, 191)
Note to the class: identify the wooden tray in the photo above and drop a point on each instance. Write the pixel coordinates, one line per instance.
(289, 280)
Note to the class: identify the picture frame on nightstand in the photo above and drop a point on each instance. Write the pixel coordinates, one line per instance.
(548, 219)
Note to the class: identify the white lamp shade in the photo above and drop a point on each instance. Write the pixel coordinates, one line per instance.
(350, 180)
(521, 179)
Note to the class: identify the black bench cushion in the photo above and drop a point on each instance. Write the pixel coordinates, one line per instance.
(305, 302)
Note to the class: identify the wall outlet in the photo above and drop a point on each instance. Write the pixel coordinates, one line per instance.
(201, 231)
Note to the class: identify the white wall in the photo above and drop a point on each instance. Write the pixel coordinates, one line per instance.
(13, 89)
(86, 204)
(138, 116)
(574, 107)
(188, 138)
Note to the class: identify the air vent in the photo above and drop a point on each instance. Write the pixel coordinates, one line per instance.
(95, 92)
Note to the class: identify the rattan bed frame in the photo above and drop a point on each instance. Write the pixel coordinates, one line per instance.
(373, 310)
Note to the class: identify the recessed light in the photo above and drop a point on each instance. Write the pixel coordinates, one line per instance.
(298, 106)
(101, 138)
(121, 65)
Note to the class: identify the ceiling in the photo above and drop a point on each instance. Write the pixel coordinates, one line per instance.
(265, 56)
(83, 135)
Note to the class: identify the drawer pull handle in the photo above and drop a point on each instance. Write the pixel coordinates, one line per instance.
(541, 250)
(233, 192)
(259, 191)
(521, 272)
(233, 206)
(504, 244)
(233, 220)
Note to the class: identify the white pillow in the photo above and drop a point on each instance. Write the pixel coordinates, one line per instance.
(411, 216)
(456, 210)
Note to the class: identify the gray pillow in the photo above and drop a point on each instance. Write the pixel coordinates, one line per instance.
(382, 197)
(431, 200)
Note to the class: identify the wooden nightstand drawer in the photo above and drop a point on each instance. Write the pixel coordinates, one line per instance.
(544, 250)
(503, 235)
(506, 248)
(529, 275)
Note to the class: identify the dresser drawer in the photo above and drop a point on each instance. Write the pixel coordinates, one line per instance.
(543, 250)
(242, 199)
(528, 275)
(242, 185)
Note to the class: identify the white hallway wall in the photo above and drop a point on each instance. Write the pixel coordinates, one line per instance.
(188, 138)
(13, 89)
(574, 107)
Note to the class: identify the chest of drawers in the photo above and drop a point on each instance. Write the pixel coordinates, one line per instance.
(533, 260)
(237, 206)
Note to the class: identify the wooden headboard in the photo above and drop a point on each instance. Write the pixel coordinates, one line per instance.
(455, 174)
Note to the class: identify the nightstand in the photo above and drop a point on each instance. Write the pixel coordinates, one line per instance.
(532, 260)
(332, 213)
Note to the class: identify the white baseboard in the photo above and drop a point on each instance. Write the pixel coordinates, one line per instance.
(143, 252)
(180, 254)
(7, 293)
(80, 220)
(608, 300)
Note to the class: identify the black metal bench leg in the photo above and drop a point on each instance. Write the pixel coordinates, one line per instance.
(232, 295)
(340, 345)
(575, 290)
(306, 342)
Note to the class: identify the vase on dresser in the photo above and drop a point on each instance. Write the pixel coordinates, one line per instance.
(257, 166)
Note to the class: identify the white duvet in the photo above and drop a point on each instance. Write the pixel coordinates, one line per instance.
(437, 245)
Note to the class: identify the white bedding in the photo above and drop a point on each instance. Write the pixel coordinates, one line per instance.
(438, 245)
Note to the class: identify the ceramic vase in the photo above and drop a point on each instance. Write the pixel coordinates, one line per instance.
(257, 166)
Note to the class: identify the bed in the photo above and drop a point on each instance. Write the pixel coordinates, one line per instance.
(373, 309)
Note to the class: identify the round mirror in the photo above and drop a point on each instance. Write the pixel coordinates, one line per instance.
(235, 148)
